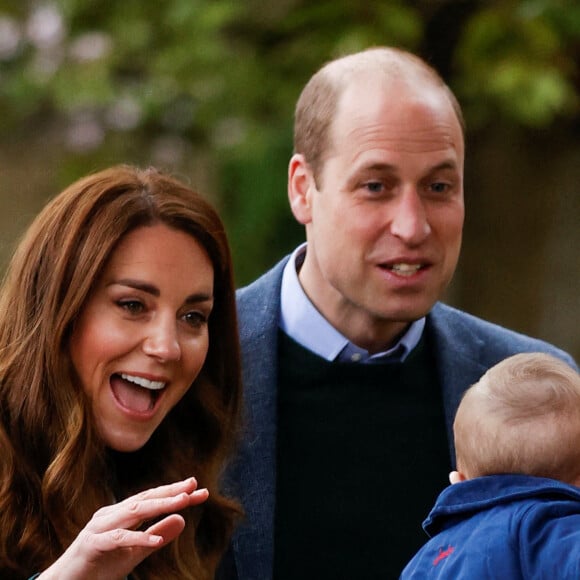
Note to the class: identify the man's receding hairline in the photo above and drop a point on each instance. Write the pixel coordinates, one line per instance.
(393, 66)
(392, 63)
(317, 106)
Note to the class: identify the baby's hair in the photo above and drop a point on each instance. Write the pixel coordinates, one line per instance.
(522, 416)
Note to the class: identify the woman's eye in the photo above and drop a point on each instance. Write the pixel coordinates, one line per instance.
(131, 306)
(195, 318)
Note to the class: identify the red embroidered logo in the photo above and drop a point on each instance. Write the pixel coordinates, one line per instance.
(443, 554)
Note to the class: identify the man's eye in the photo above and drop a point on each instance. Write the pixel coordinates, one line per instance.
(374, 186)
(440, 187)
(131, 306)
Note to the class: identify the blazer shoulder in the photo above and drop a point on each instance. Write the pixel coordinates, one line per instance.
(267, 284)
(455, 326)
(258, 305)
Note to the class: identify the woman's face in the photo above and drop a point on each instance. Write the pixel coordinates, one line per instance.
(142, 337)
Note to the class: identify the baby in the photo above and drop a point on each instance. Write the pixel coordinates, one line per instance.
(515, 509)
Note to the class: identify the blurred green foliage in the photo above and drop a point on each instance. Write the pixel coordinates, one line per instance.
(157, 82)
(520, 60)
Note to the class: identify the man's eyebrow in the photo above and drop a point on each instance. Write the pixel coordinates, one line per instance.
(392, 168)
(378, 167)
(154, 291)
(445, 165)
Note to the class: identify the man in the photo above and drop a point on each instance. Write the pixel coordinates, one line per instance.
(352, 369)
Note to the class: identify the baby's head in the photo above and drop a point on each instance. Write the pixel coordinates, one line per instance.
(522, 416)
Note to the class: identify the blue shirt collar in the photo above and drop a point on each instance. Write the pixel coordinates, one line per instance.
(300, 320)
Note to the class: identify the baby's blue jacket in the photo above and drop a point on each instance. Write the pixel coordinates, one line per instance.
(502, 526)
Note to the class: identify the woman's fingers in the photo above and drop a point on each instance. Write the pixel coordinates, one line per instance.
(168, 528)
(131, 512)
(110, 546)
(111, 540)
(187, 485)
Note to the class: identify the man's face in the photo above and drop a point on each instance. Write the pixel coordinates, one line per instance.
(384, 217)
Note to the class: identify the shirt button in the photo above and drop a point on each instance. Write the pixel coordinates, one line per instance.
(356, 357)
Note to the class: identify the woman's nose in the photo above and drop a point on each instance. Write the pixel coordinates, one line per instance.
(161, 340)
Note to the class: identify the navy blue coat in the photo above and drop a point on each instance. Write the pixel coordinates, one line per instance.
(465, 348)
(502, 526)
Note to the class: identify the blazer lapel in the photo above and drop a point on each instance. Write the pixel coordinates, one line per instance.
(459, 361)
(258, 310)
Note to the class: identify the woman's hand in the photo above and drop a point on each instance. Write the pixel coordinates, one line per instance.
(109, 547)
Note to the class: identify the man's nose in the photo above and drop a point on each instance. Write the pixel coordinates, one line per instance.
(161, 340)
(409, 220)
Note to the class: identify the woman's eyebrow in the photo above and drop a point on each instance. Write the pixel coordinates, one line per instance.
(199, 297)
(154, 291)
(138, 285)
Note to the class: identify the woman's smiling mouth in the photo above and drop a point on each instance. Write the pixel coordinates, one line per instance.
(136, 394)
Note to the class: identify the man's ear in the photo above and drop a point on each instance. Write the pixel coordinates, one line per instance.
(300, 188)
(456, 477)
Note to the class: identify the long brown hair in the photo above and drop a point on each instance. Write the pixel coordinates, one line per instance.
(54, 470)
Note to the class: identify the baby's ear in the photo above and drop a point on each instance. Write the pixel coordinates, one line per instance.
(456, 477)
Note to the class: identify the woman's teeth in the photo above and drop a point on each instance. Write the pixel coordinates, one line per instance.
(147, 384)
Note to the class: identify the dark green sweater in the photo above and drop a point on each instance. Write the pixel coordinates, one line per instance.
(362, 454)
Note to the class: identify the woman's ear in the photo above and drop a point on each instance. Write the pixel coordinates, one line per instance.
(300, 186)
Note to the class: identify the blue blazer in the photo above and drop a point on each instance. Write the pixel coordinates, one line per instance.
(465, 348)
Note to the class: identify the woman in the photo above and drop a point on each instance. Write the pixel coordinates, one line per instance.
(119, 372)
